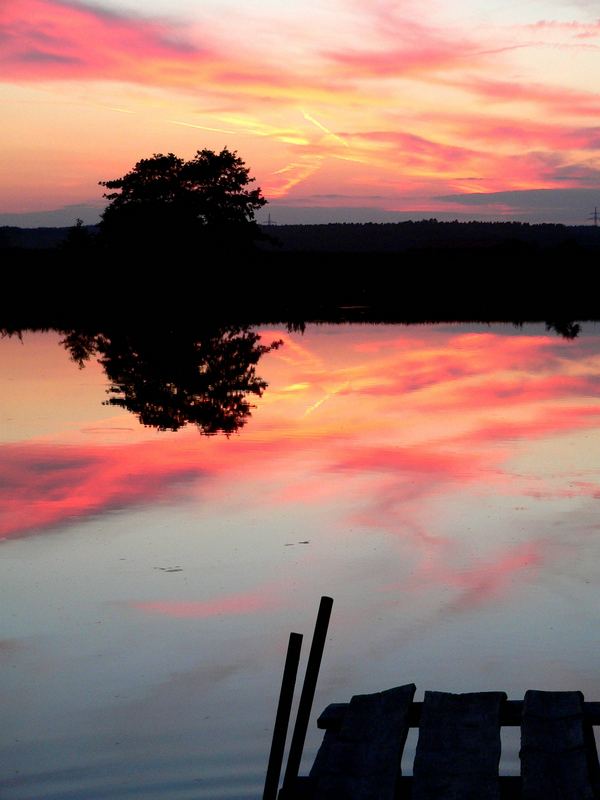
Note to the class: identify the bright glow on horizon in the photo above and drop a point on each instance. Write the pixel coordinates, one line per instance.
(345, 103)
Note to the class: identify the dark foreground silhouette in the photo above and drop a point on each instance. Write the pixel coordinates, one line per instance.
(409, 272)
(368, 237)
(173, 330)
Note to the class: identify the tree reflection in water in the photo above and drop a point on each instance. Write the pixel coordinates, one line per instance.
(169, 378)
(170, 375)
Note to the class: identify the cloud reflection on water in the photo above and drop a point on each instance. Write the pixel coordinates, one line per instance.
(446, 484)
(411, 421)
(243, 603)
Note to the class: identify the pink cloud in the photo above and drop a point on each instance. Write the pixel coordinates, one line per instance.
(405, 366)
(57, 40)
(578, 29)
(555, 98)
(407, 44)
(504, 391)
(542, 422)
(487, 163)
(495, 130)
(395, 486)
(417, 149)
(391, 481)
(46, 485)
(230, 605)
(485, 582)
(408, 61)
(481, 581)
(413, 461)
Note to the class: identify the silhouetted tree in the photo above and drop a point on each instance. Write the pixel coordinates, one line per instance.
(79, 240)
(169, 378)
(169, 202)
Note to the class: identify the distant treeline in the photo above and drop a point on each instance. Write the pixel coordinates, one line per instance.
(514, 282)
(402, 236)
(35, 238)
(367, 237)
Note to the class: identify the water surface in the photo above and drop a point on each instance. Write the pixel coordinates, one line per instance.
(441, 483)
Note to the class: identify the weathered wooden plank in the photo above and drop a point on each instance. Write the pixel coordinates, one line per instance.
(302, 788)
(361, 761)
(554, 757)
(332, 716)
(511, 713)
(592, 755)
(591, 712)
(458, 750)
(510, 787)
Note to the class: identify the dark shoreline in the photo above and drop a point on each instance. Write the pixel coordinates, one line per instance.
(477, 272)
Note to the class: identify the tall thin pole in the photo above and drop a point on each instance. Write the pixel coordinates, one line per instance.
(308, 692)
(282, 718)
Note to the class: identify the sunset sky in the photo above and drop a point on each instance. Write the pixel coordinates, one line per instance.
(366, 109)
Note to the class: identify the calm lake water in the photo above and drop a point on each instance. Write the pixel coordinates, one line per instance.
(441, 483)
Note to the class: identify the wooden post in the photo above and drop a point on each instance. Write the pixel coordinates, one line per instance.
(308, 693)
(282, 719)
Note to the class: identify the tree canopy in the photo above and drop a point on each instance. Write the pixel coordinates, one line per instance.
(167, 200)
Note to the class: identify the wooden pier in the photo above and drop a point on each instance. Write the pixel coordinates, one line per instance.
(458, 747)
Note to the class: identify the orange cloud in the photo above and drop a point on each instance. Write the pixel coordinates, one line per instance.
(280, 182)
